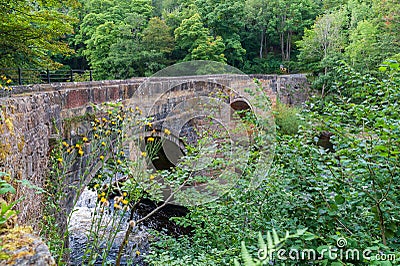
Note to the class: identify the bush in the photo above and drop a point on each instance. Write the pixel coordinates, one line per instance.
(287, 119)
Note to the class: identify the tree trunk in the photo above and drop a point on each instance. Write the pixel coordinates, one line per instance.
(288, 45)
(282, 46)
(282, 36)
(323, 85)
(262, 42)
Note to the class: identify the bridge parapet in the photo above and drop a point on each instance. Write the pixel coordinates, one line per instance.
(34, 115)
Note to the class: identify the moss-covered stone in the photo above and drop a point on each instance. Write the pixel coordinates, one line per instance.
(20, 247)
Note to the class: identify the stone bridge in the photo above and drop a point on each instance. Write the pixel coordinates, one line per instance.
(34, 116)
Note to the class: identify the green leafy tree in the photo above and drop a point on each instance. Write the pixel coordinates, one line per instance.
(257, 15)
(224, 18)
(157, 36)
(32, 32)
(289, 18)
(363, 47)
(193, 37)
(111, 33)
(322, 45)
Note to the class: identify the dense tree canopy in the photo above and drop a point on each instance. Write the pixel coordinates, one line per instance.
(125, 38)
(32, 32)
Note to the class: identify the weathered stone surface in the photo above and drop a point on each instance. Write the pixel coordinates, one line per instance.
(32, 115)
(22, 248)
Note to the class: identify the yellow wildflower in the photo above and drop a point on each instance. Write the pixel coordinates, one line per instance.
(69, 150)
(144, 154)
(119, 161)
(113, 123)
(152, 177)
(60, 160)
(108, 132)
(124, 201)
(137, 252)
(85, 139)
(109, 112)
(103, 143)
(65, 144)
(96, 136)
(78, 146)
(8, 81)
(96, 186)
(94, 128)
(149, 124)
(103, 199)
(104, 119)
(103, 193)
(122, 152)
(124, 194)
(97, 120)
(117, 206)
(80, 152)
(119, 131)
(101, 157)
(150, 139)
(166, 131)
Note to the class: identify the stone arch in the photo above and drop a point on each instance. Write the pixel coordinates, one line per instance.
(168, 155)
(239, 105)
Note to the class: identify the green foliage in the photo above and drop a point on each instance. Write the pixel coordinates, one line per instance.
(266, 250)
(287, 119)
(351, 193)
(321, 46)
(31, 33)
(6, 211)
(112, 33)
(119, 39)
(157, 36)
(269, 65)
(221, 19)
(355, 32)
(363, 45)
(193, 37)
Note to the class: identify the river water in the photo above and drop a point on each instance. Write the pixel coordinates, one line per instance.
(139, 241)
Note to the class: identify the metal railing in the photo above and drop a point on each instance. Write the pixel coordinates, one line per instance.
(21, 76)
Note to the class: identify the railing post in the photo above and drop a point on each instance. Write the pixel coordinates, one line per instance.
(72, 75)
(48, 76)
(90, 75)
(19, 76)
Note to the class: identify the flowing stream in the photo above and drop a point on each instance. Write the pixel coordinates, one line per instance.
(139, 241)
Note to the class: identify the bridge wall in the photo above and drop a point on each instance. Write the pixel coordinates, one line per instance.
(34, 116)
